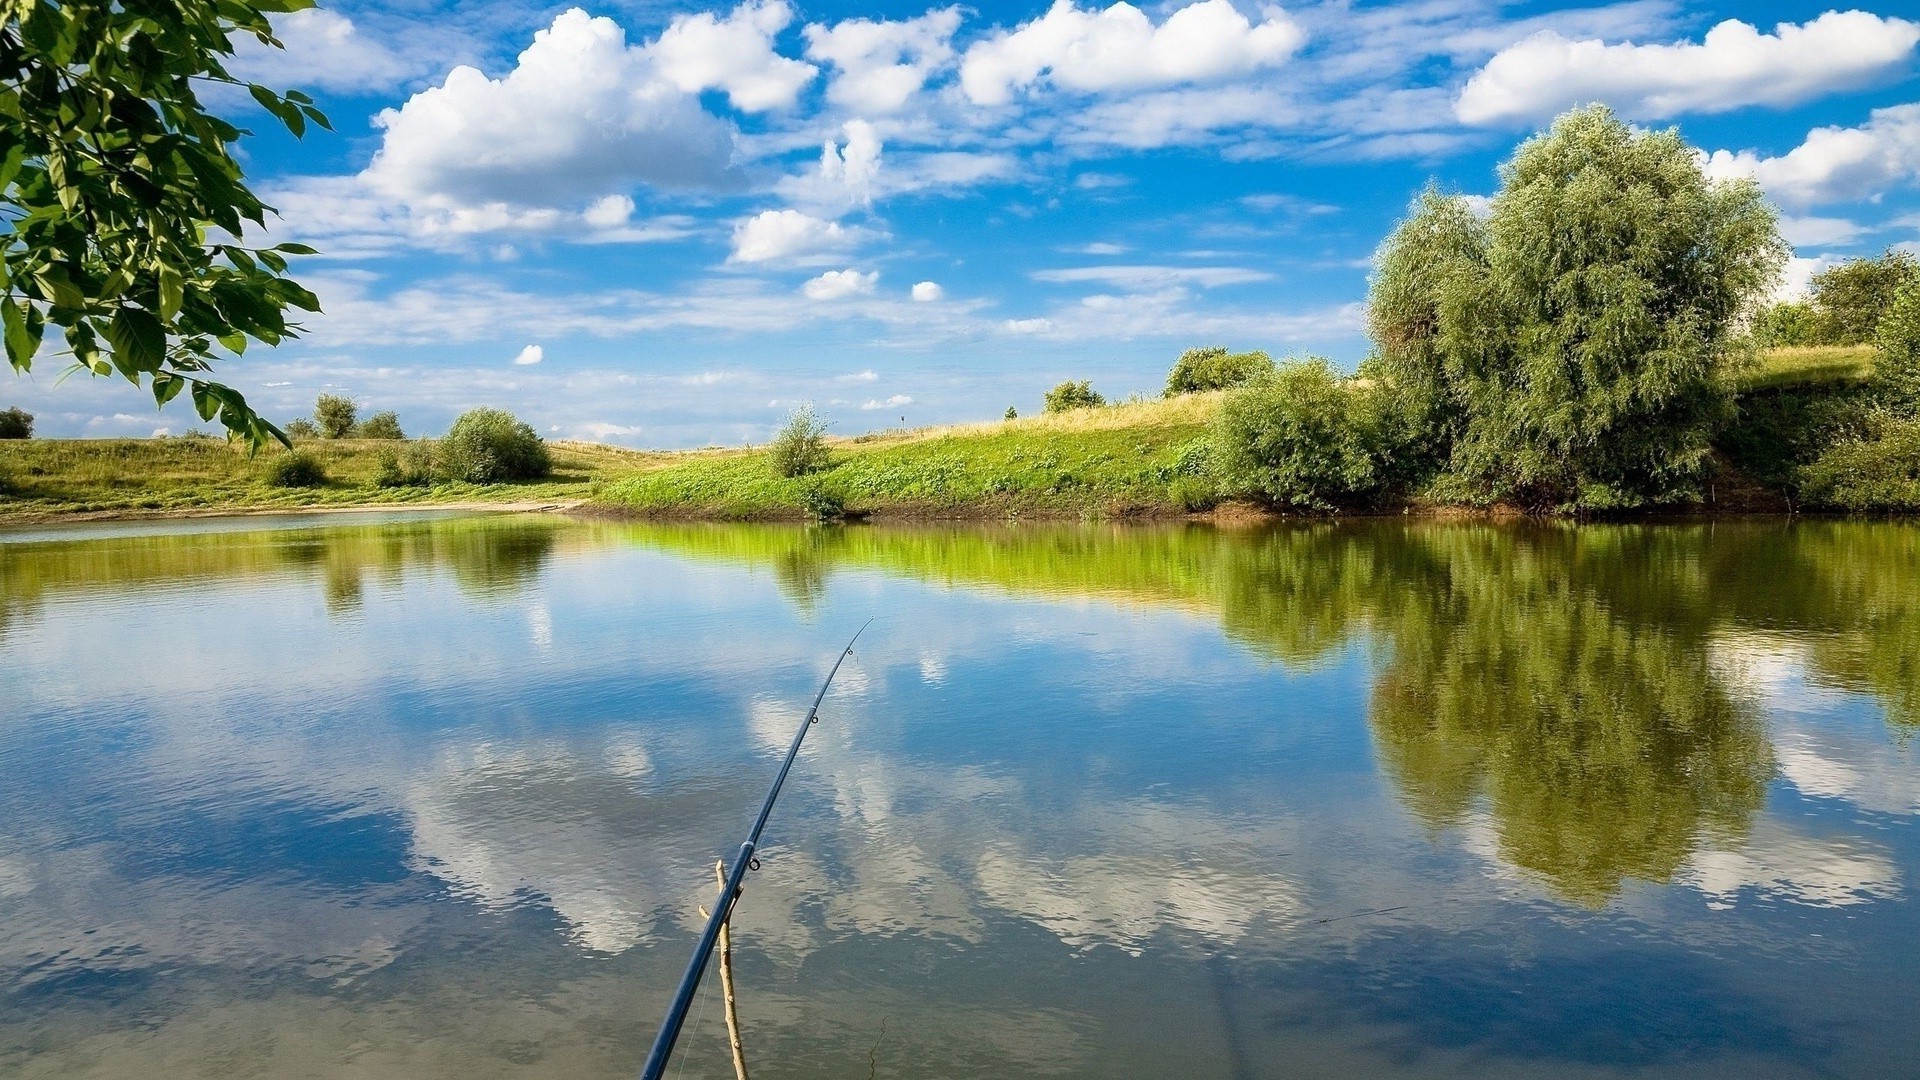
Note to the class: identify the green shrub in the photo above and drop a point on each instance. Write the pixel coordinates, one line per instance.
(487, 446)
(1214, 368)
(1896, 362)
(1777, 430)
(1302, 437)
(1073, 395)
(801, 446)
(381, 425)
(16, 423)
(1012, 413)
(334, 415)
(1193, 493)
(822, 503)
(1852, 297)
(1880, 473)
(414, 466)
(302, 429)
(296, 470)
(1786, 325)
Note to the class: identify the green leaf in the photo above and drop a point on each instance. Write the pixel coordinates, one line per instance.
(296, 249)
(172, 291)
(204, 402)
(139, 340)
(166, 387)
(23, 333)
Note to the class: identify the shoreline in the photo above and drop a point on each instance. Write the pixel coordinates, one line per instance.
(85, 517)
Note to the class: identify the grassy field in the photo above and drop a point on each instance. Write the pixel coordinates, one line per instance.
(1803, 365)
(44, 478)
(1091, 462)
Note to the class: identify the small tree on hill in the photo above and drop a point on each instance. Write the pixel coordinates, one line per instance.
(335, 415)
(1851, 298)
(801, 446)
(1787, 325)
(16, 423)
(1073, 395)
(1571, 350)
(1214, 368)
(487, 446)
(1896, 366)
(381, 425)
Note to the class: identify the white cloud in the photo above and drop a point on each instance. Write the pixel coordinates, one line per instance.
(1120, 48)
(854, 168)
(324, 50)
(610, 212)
(1099, 181)
(1735, 65)
(1103, 248)
(879, 65)
(927, 292)
(602, 431)
(735, 54)
(1835, 163)
(1027, 326)
(841, 284)
(530, 355)
(1819, 231)
(788, 236)
(893, 402)
(582, 114)
(1141, 277)
(1796, 280)
(859, 376)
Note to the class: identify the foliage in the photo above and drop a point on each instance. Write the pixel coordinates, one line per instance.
(1786, 325)
(1302, 437)
(16, 423)
(296, 469)
(821, 503)
(1073, 395)
(801, 445)
(1011, 414)
(381, 425)
(1876, 474)
(335, 415)
(1574, 350)
(302, 429)
(1851, 297)
(1781, 429)
(416, 465)
(486, 446)
(1897, 351)
(124, 202)
(1214, 368)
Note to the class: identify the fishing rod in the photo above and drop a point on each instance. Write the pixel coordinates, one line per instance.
(690, 982)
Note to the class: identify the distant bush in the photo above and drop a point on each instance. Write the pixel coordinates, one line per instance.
(1012, 413)
(16, 423)
(1302, 437)
(381, 425)
(415, 466)
(302, 429)
(1896, 362)
(335, 415)
(485, 446)
(1786, 325)
(1880, 473)
(1852, 297)
(296, 470)
(801, 446)
(1214, 368)
(1073, 395)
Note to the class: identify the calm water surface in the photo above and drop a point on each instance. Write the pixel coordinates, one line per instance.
(438, 798)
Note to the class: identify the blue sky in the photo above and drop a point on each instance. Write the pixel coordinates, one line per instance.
(667, 225)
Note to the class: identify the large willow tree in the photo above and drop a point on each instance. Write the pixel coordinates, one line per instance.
(122, 206)
(1570, 349)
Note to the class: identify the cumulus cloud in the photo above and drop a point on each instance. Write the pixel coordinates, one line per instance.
(323, 50)
(927, 292)
(530, 355)
(1119, 49)
(1735, 65)
(734, 54)
(1835, 164)
(581, 114)
(854, 167)
(879, 65)
(841, 284)
(893, 402)
(868, 375)
(788, 236)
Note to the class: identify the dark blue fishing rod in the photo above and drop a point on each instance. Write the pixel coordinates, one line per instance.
(656, 1065)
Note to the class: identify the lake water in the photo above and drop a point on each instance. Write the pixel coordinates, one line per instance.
(438, 797)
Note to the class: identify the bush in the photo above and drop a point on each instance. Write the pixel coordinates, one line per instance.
(1786, 326)
(1215, 368)
(381, 425)
(801, 446)
(296, 470)
(1302, 437)
(302, 429)
(1012, 413)
(486, 446)
(16, 423)
(1073, 395)
(1896, 362)
(822, 503)
(1852, 297)
(1880, 473)
(335, 415)
(414, 466)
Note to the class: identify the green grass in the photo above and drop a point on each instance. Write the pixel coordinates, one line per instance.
(44, 478)
(1092, 462)
(1804, 365)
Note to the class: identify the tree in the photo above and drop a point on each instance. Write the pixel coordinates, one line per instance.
(486, 446)
(1073, 395)
(1787, 325)
(381, 425)
(123, 203)
(801, 446)
(335, 415)
(1850, 298)
(1302, 436)
(1896, 364)
(1012, 413)
(1571, 350)
(1214, 368)
(16, 423)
